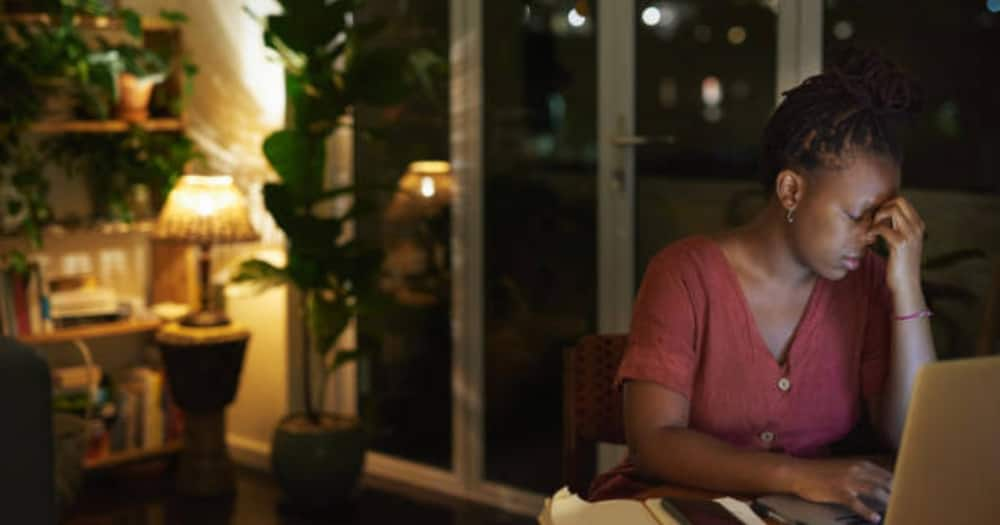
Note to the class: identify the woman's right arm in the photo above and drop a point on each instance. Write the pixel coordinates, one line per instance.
(663, 447)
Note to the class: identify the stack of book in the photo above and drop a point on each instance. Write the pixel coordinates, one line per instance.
(32, 304)
(131, 414)
(24, 307)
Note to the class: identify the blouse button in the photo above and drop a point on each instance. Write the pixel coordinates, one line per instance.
(767, 436)
(784, 384)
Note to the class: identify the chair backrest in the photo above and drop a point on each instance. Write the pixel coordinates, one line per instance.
(27, 484)
(592, 406)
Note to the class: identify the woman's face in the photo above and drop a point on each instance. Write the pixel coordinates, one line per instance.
(836, 212)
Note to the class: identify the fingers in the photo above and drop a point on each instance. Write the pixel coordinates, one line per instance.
(900, 215)
(898, 222)
(859, 508)
(869, 491)
(891, 236)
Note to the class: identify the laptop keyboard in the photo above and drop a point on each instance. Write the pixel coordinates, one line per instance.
(874, 504)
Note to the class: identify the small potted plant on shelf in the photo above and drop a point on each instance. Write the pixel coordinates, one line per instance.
(332, 63)
(130, 71)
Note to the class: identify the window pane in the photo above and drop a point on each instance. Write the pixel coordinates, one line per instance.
(404, 388)
(951, 48)
(705, 75)
(540, 236)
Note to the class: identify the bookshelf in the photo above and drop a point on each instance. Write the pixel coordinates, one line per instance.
(89, 22)
(121, 458)
(106, 126)
(115, 328)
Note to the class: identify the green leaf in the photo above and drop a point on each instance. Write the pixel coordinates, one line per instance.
(177, 17)
(298, 158)
(261, 273)
(18, 261)
(133, 22)
(327, 319)
(346, 356)
(305, 272)
(308, 26)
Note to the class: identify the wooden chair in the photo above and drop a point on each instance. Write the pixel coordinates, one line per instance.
(592, 406)
(989, 333)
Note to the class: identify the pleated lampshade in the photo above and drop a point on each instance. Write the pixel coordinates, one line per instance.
(205, 209)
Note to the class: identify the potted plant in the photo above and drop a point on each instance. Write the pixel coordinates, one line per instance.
(332, 62)
(131, 71)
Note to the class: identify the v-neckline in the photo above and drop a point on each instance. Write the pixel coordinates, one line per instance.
(755, 336)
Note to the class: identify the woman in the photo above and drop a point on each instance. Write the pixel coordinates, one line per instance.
(753, 351)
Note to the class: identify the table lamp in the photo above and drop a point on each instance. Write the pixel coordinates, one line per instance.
(205, 209)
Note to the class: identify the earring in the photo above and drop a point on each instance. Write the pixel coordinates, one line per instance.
(789, 217)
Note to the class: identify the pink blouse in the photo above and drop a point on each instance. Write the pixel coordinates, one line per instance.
(693, 333)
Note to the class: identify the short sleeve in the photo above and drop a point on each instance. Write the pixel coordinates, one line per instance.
(661, 346)
(877, 345)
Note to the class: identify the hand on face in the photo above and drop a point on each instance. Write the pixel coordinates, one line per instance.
(900, 225)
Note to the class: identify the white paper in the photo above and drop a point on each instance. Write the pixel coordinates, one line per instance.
(741, 510)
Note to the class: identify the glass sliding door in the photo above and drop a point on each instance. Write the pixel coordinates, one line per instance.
(705, 78)
(583, 136)
(404, 385)
(539, 238)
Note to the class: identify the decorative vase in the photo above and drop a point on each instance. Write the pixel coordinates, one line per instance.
(133, 96)
(318, 464)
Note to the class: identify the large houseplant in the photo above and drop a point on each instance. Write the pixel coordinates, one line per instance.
(333, 62)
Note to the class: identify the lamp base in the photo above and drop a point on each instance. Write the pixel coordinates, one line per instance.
(205, 318)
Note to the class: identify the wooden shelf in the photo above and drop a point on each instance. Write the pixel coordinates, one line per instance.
(90, 22)
(66, 335)
(106, 126)
(129, 456)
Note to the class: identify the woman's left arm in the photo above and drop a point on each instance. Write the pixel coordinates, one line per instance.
(912, 344)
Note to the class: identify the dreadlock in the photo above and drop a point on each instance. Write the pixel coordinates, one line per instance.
(861, 104)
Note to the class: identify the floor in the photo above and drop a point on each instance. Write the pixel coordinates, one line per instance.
(147, 498)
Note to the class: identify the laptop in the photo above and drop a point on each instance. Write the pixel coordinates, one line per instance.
(948, 467)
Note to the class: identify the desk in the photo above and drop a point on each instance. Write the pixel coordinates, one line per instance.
(677, 491)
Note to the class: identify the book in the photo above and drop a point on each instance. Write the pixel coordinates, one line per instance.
(566, 508)
(81, 377)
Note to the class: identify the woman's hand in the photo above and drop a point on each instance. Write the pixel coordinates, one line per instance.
(849, 482)
(903, 230)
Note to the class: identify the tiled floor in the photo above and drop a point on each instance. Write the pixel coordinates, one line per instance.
(146, 498)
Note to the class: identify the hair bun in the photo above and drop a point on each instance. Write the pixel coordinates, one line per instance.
(877, 84)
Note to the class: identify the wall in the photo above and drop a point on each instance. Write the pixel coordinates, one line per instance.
(238, 99)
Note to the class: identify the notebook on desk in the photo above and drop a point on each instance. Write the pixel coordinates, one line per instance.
(948, 467)
(565, 508)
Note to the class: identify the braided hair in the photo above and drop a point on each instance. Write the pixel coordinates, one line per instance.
(860, 104)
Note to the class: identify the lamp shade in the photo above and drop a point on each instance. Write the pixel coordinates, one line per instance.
(429, 180)
(205, 209)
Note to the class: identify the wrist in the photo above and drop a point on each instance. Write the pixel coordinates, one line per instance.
(905, 286)
(786, 475)
(907, 294)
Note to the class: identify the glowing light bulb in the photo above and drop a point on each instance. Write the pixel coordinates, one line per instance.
(427, 186)
(651, 16)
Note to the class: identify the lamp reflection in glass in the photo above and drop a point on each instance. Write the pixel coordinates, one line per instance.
(430, 181)
(205, 209)
(415, 234)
